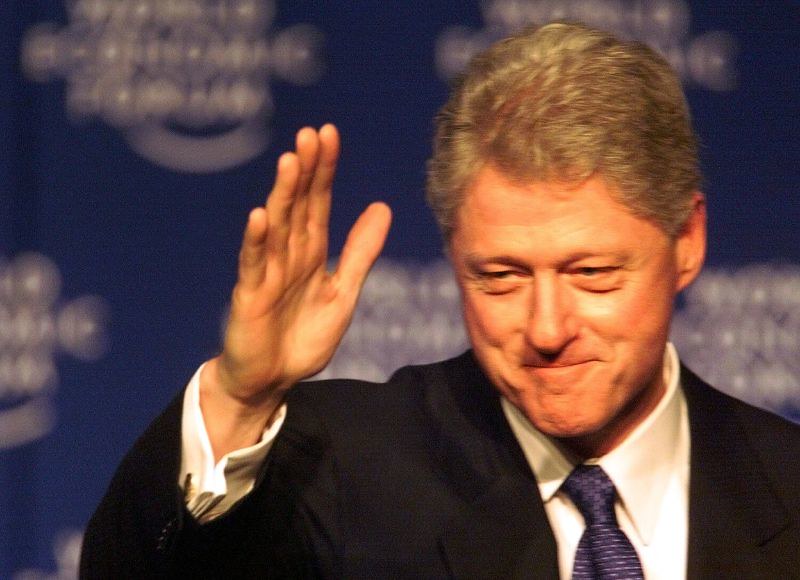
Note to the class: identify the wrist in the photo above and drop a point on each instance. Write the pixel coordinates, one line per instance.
(233, 422)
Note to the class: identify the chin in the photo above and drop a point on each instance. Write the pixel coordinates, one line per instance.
(566, 429)
(559, 423)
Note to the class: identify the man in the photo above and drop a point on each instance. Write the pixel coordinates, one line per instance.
(569, 441)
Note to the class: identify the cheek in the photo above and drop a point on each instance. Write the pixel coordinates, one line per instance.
(489, 321)
(635, 314)
(478, 323)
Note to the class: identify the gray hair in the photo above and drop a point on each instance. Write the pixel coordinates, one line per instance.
(561, 103)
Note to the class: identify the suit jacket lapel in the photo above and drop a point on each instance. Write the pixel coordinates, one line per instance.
(503, 533)
(732, 509)
(502, 530)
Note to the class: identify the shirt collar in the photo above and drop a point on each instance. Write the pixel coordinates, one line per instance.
(640, 466)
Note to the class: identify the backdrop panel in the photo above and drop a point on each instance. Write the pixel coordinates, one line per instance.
(137, 134)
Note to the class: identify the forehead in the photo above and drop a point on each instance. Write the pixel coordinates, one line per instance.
(548, 215)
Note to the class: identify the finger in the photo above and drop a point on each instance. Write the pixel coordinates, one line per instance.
(307, 146)
(280, 201)
(252, 256)
(307, 149)
(319, 196)
(363, 246)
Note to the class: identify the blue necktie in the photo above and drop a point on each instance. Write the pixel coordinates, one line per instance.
(604, 551)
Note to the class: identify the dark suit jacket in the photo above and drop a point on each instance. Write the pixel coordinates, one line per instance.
(421, 477)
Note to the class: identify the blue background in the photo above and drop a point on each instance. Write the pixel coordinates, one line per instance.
(159, 246)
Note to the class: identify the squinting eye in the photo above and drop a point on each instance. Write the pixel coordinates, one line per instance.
(597, 278)
(590, 271)
(499, 281)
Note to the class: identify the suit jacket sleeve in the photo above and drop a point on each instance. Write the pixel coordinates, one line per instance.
(141, 529)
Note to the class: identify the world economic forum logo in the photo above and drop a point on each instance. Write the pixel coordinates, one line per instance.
(705, 60)
(186, 81)
(36, 325)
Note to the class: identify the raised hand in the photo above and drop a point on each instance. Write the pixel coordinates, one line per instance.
(288, 312)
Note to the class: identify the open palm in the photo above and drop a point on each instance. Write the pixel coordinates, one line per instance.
(288, 312)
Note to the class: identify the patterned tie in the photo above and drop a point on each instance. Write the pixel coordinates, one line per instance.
(604, 551)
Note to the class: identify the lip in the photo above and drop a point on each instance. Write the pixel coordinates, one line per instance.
(557, 365)
(558, 370)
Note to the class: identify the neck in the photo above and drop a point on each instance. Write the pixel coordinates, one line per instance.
(616, 431)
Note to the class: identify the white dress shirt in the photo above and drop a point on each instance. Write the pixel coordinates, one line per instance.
(210, 490)
(650, 470)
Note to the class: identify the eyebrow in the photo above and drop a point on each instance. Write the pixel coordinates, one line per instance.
(474, 258)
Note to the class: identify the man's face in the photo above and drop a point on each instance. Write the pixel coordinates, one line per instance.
(567, 300)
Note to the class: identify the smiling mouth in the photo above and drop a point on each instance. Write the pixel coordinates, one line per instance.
(559, 365)
(556, 370)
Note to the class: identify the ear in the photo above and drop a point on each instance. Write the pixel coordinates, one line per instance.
(690, 245)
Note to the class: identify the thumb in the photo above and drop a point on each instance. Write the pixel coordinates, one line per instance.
(363, 246)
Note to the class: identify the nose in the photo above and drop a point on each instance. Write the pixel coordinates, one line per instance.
(551, 325)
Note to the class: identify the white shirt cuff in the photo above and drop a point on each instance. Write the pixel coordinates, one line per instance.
(210, 490)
